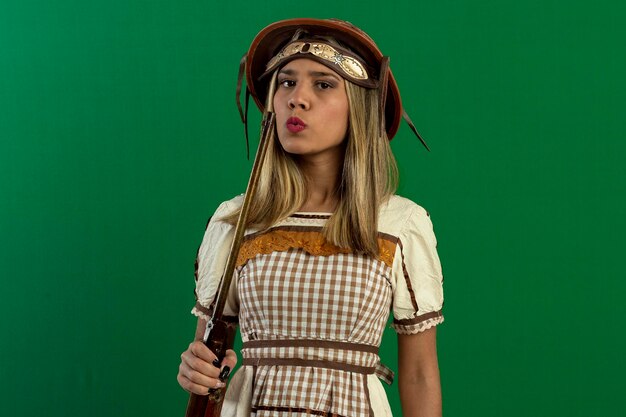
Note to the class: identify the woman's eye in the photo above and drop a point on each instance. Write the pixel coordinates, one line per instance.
(286, 83)
(324, 85)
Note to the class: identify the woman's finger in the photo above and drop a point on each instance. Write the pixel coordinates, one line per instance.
(193, 362)
(200, 350)
(195, 388)
(228, 364)
(230, 359)
(196, 377)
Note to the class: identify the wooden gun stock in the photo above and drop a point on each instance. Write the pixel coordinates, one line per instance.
(221, 339)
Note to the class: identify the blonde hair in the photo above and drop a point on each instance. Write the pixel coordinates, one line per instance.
(369, 177)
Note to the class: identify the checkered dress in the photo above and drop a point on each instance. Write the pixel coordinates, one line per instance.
(312, 315)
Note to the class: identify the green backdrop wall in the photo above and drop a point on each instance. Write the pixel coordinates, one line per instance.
(119, 136)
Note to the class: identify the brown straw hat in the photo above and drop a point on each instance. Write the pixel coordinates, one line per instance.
(356, 58)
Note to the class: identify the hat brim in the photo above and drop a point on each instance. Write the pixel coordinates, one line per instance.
(271, 39)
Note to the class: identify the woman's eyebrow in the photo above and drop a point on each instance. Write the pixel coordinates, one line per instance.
(322, 74)
(292, 72)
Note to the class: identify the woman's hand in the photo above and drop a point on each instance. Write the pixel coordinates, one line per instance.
(198, 372)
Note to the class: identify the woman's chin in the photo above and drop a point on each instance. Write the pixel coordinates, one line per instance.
(295, 147)
(297, 151)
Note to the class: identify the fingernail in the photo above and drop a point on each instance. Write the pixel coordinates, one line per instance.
(225, 372)
(217, 363)
(220, 384)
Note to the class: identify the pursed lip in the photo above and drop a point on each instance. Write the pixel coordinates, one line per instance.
(295, 124)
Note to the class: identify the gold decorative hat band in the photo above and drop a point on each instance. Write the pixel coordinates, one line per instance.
(339, 59)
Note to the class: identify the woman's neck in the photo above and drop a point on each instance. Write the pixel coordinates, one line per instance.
(323, 177)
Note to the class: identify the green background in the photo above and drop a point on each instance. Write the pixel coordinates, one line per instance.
(119, 136)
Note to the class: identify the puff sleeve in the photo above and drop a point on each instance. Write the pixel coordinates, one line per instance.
(417, 276)
(210, 263)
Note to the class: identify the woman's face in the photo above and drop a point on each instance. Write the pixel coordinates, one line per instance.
(311, 107)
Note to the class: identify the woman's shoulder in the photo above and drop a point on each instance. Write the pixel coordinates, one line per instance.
(397, 203)
(396, 212)
(228, 206)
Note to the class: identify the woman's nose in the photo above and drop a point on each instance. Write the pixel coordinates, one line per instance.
(299, 99)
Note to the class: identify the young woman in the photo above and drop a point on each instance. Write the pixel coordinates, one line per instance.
(329, 248)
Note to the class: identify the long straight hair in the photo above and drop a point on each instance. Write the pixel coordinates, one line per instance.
(368, 178)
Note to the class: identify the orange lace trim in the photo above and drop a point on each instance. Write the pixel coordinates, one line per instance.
(312, 242)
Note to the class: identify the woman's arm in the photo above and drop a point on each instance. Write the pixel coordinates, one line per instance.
(418, 374)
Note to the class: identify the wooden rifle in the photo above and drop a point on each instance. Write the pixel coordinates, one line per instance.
(219, 335)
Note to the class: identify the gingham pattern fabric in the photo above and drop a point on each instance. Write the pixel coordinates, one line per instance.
(296, 391)
(291, 296)
(285, 295)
